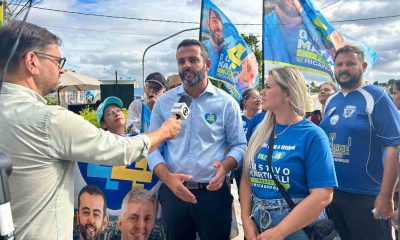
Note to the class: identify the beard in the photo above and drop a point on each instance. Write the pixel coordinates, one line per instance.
(83, 228)
(197, 77)
(220, 42)
(353, 81)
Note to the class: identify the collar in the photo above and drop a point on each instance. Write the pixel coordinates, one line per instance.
(211, 89)
(11, 88)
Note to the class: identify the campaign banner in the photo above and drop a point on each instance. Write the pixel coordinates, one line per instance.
(114, 182)
(232, 61)
(296, 34)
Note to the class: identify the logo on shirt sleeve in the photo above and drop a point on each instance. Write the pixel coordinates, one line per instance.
(334, 119)
(210, 117)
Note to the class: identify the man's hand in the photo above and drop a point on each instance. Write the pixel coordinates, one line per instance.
(383, 206)
(218, 180)
(174, 181)
(171, 127)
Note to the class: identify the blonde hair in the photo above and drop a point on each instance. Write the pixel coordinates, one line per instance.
(292, 81)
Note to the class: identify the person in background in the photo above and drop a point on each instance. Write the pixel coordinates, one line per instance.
(363, 126)
(395, 216)
(325, 90)
(301, 152)
(110, 116)
(396, 94)
(250, 104)
(138, 214)
(91, 215)
(173, 81)
(139, 111)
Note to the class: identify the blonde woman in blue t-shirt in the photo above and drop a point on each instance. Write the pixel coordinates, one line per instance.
(301, 161)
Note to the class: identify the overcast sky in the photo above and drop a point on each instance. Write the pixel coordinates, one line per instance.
(97, 46)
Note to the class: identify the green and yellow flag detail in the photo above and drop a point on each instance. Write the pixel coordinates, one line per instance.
(1, 14)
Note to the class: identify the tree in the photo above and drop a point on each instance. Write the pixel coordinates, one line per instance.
(376, 83)
(16, 8)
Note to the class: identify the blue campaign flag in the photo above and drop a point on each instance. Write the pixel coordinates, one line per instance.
(145, 118)
(296, 34)
(232, 61)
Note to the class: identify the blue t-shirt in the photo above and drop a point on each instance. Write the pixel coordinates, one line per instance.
(245, 122)
(301, 160)
(357, 143)
(254, 121)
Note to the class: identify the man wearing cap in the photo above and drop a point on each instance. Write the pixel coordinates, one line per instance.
(110, 116)
(138, 119)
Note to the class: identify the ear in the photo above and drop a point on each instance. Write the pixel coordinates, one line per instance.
(77, 216)
(31, 63)
(105, 223)
(364, 66)
(208, 64)
(119, 222)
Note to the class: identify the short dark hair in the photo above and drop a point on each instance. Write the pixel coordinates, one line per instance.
(33, 37)
(194, 42)
(350, 49)
(93, 190)
(246, 95)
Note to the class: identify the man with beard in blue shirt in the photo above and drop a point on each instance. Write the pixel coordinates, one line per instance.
(194, 196)
(363, 126)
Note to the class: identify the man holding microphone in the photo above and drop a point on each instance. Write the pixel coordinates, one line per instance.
(44, 141)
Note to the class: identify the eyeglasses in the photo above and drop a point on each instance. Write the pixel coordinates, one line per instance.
(115, 111)
(60, 60)
(255, 97)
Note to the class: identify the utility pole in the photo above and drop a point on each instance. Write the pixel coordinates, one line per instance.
(162, 40)
(116, 83)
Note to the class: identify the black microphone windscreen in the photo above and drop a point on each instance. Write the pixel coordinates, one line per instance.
(186, 99)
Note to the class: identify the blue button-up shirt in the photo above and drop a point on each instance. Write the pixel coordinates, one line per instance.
(214, 123)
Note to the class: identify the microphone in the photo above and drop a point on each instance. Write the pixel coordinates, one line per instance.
(181, 108)
(6, 222)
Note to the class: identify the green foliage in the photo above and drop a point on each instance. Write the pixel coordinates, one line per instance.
(314, 88)
(89, 114)
(51, 99)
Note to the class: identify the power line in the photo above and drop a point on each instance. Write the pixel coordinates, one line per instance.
(329, 4)
(111, 16)
(187, 22)
(104, 31)
(365, 19)
(124, 33)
